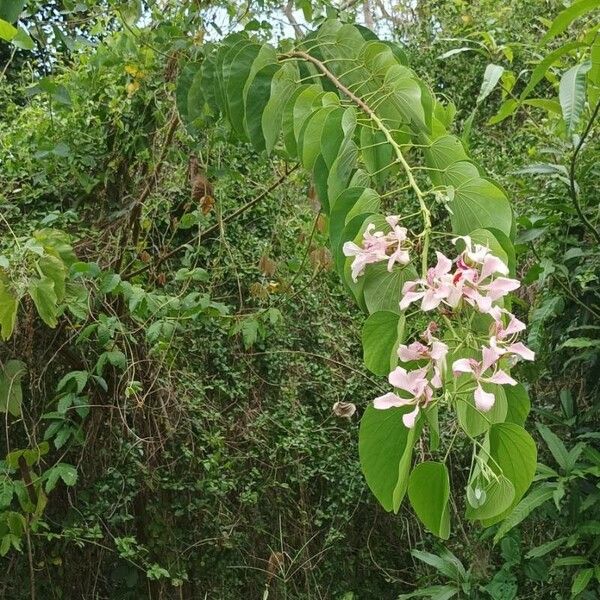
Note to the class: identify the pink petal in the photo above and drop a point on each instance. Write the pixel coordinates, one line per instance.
(409, 418)
(409, 298)
(389, 400)
(514, 325)
(521, 350)
(501, 378)
(430, 300)
(416, 351)
(492, 264)
(443, 266)
(501, 286)
(351, 249)
(490, 356)
(438, 350)
(484, 400)
(463, 365)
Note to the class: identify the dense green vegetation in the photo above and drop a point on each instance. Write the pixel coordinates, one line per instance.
(181, 353)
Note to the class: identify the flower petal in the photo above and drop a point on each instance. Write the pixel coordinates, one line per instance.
(462, 365)
(521, 350)
(409, 418)
(501, 378)
(389, 400)
(484, 400)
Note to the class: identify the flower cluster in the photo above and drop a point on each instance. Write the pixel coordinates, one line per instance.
(420, 383)
(475, 277)
(378, 246)
(475, 280)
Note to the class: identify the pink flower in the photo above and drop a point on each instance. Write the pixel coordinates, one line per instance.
(438, 286)
(435, 352)
(477, 269)
(502, 339)
(414, 383)
(377, 246)
(483, 400)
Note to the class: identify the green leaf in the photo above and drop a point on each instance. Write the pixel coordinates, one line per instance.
(567, 16)
(519, 404)
(11, 394)
(542, 67)
(556, 447)
(79, 379)
(257, 97)
(581, 342)
(11, 9)
(22, 40)
(571, 94)
(385, 448)
(53, 268)
(381, 334)
(376, 154)
(513, 454)
(477, 203)
(428, 492)
(472, 420)
(8, 311)
(44, 297)
(283, 86)
(433, 592)
(497, 496)
(235, 75)
(491, 77)
(447, 564)
(546, 548)
(382, 289)
(507, 108)
(533, 500)
(7, 31)
(64, 471)
(581, 580)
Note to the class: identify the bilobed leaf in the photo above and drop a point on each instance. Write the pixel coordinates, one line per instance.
(571, 94)
(514, 455)
(383, 445)
(383, 289)
(376, 154)
(184, 82)
(567, 16)
(8, 310)
(474, 421)
(477, 203)
(44, 297)
(381, 334)
(491, 77)
(499, 495)
(428, 492)
(235, 75)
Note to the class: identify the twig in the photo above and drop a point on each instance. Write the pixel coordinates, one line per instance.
(572, 185)
(212, 228)
(135, 208)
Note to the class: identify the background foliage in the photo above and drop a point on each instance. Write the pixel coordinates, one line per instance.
(176, 425)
